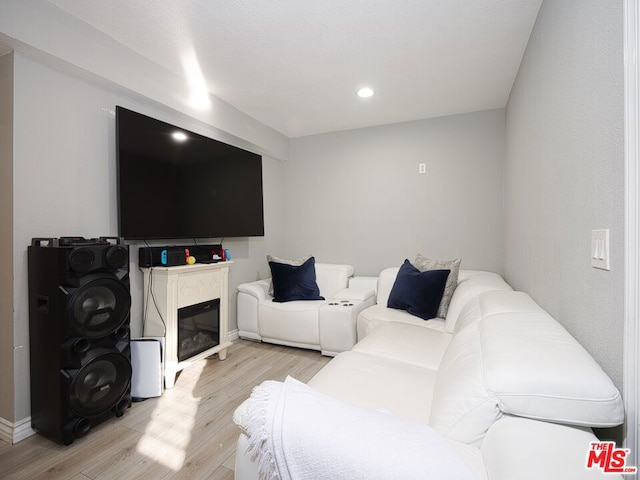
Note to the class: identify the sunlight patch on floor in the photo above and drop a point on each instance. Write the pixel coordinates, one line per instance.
(168, 433)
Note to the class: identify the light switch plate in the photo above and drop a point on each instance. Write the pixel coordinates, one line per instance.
(600, 249)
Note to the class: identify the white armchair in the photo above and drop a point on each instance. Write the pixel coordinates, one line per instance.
(327, 325)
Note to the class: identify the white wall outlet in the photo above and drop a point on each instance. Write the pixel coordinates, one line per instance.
(600, 249)
(422, 168)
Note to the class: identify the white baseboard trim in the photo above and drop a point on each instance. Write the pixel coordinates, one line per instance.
(6, 431)
(15, 432)
(233, 335)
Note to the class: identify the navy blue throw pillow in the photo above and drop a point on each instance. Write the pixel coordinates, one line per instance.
(293, 282)
(419, 293)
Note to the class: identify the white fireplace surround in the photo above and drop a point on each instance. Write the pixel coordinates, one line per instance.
(166, 289)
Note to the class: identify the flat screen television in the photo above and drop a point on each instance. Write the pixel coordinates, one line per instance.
(173, 183)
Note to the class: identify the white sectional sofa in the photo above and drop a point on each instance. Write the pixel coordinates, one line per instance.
(504, 384)
(327, 325)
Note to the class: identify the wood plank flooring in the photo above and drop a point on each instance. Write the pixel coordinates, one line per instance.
(188, 433)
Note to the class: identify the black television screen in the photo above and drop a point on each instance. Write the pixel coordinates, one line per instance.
(173, 183)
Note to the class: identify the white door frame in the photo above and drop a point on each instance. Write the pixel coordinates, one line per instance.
(631, 370)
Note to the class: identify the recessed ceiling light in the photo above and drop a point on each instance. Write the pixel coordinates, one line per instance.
(179, 136)
(365, 92)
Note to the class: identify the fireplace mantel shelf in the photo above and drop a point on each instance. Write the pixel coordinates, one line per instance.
(166, 289)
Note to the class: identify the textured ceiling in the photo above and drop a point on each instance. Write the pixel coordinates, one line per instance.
(296, 65)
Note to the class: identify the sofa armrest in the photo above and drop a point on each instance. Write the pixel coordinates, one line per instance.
(258, 289)
(514, 448)
(366, 283)
(354, 294)
(337, 319)
(249, 297)
(246, 465)
(239, 415)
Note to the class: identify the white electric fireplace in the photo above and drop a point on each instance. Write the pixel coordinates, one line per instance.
(188, 305)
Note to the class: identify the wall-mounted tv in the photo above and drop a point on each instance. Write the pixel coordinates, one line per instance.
(173, 183)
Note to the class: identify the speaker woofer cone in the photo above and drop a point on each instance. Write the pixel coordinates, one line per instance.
(100, 384)
(99, 307)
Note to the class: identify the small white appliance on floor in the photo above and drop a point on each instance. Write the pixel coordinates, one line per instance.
(147, 359)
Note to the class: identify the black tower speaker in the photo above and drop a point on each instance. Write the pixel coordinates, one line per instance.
(79, 304)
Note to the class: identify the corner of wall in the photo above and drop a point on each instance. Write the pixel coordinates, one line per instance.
(7, 400)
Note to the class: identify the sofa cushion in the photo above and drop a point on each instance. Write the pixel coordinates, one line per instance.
(471, 283)
(377, 382)
(423, 347)
(419, 293)
(294, 282)
(371, 317)
(291, 323)
(492, 302)
(424, 264)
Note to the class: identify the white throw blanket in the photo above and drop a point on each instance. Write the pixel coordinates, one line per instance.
(299, 434)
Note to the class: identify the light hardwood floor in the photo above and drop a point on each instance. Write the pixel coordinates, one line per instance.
(187, 433)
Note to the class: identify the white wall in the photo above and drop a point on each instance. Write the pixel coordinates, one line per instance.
(565, 172)
(6, 235)
(356, 196)
(65, 184)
